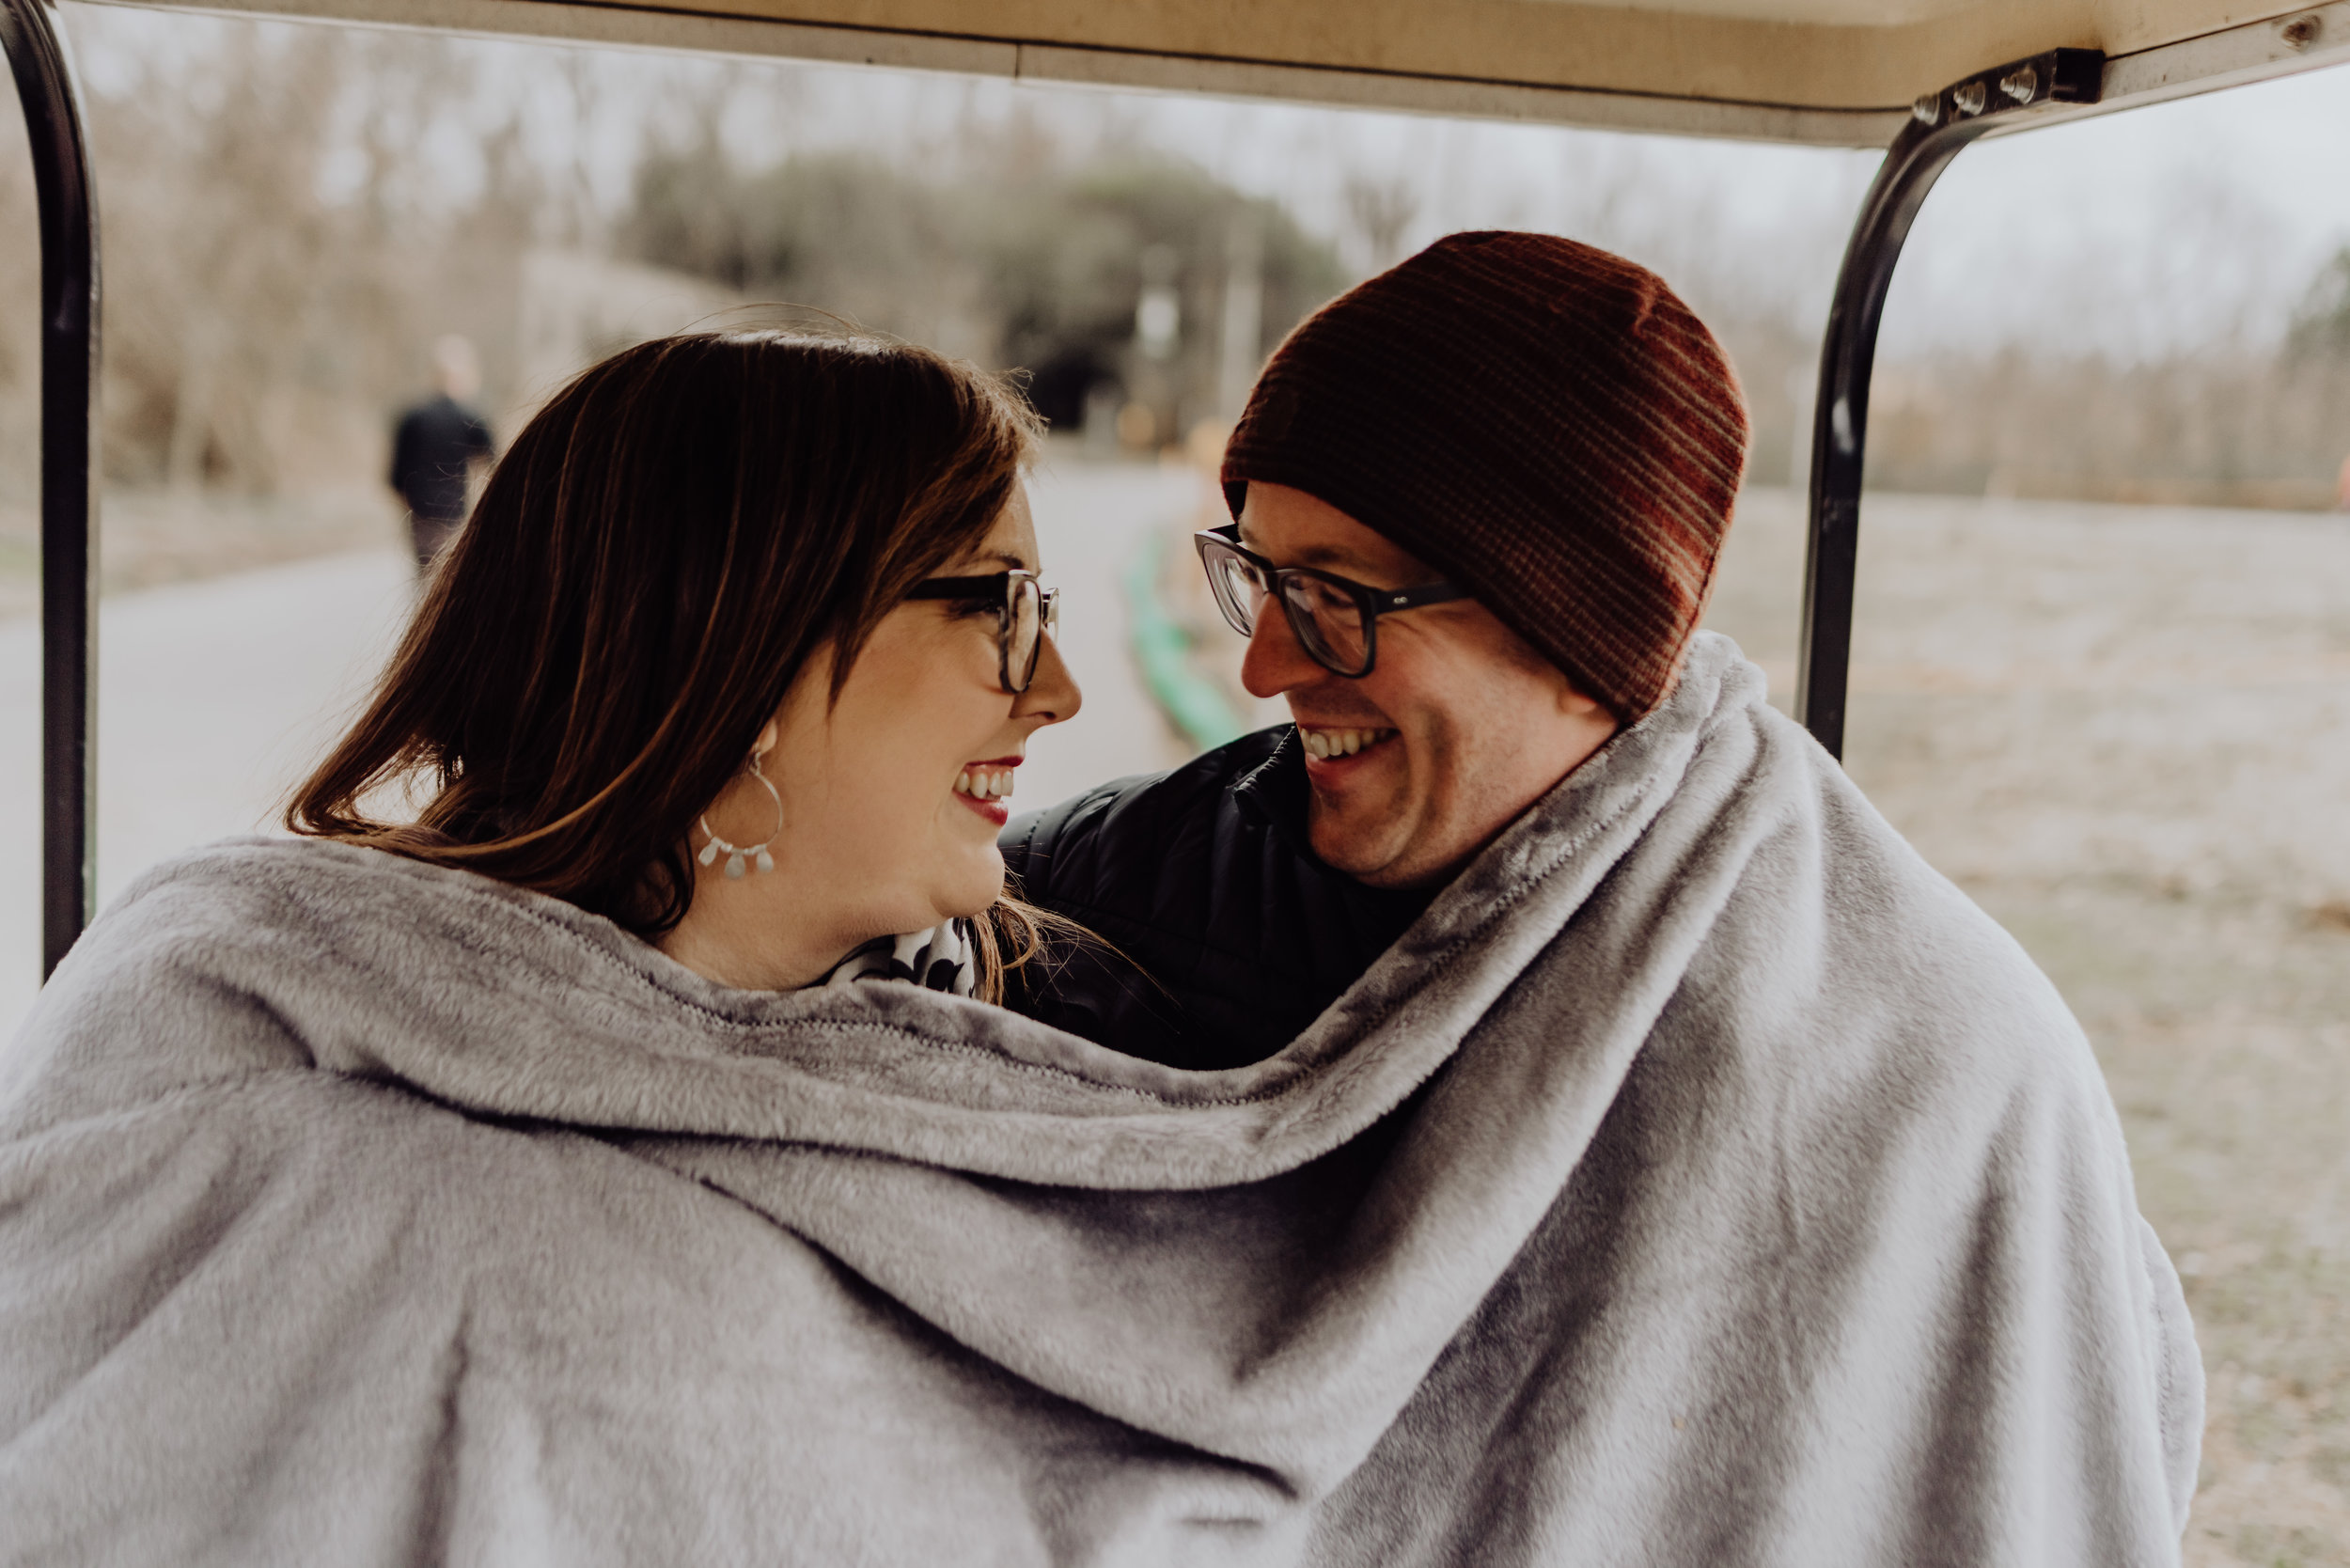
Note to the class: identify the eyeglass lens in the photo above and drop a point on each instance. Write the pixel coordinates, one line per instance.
(1023, 627)
(1237, 587)
(1327, 620)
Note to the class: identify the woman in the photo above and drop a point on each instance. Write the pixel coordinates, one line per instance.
(733, 604)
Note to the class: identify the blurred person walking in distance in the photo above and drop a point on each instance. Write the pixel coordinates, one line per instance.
(435, 446)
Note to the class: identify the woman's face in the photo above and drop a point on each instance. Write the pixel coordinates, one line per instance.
(881, 832)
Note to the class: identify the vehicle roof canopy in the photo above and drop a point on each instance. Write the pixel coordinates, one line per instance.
(1832, 72)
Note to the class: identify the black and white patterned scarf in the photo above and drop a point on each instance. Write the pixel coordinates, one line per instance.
(943, 957)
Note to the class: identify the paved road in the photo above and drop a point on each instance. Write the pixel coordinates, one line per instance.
(213, 698)
(1090, 522)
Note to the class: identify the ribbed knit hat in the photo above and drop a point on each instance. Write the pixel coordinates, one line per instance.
(1546, 424)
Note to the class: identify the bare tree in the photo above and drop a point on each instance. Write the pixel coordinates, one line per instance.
(1381, 210)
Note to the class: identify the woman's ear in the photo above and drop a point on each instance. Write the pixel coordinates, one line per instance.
(766, 742)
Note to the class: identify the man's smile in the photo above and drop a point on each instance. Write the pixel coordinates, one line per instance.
(1333, 743)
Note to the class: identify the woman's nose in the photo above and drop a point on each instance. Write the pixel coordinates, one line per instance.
(1275, 663)
(1051, 695)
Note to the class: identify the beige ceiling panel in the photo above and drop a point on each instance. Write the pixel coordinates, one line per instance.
(1803, 71)
(651, 25)
(1468, 99)
(1666, 52)
(2127, 26)
(1805, 14)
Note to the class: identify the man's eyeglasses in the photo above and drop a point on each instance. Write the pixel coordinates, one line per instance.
(1026, 611)
(1335, 618)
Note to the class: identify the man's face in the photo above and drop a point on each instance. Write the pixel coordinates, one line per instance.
(1459, 726)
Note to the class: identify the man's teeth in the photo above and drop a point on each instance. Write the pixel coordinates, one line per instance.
(1326, 744)
(985, 783)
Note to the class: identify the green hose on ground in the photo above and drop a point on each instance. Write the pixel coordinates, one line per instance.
(1192, 702)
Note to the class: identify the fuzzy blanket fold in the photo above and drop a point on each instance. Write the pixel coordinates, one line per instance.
(1703, 1180)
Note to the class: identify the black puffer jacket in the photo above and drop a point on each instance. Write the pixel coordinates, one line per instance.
(1203, 879)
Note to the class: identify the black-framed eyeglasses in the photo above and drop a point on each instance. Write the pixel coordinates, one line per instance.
(1335, 618)
(1026, 609)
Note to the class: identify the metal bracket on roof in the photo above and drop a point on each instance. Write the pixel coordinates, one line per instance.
(52, 102)
(2059, 76)
(1940, 126)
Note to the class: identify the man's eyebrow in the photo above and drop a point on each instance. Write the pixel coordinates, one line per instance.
(1329, 557)
(1325, 557)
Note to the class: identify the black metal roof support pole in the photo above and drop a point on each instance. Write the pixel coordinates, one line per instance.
(69, 379)
(1939, 127)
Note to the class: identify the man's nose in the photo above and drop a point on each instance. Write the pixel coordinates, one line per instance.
(1275, 663)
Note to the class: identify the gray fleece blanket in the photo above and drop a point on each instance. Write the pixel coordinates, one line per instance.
(1704, 1180)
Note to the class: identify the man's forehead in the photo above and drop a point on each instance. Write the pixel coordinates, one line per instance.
(1293, 529)
(1330, 557)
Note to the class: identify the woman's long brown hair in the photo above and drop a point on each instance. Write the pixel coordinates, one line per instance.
(652, 564)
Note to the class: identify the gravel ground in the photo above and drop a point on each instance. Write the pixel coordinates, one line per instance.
(2125, 732)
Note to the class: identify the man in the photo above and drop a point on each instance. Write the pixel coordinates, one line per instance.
(434, 447)
(1847, 1265)
(1576, 490)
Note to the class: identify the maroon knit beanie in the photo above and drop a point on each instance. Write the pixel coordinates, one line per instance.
(1545, 423)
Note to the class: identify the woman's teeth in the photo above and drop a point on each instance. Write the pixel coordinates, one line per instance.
(985, 783)
(1326, 744)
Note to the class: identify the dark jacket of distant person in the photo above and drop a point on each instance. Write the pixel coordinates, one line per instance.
(434, 449)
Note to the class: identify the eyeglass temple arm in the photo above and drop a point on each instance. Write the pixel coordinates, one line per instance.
(1412, 599)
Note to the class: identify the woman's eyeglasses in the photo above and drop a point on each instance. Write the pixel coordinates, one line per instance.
(1335, 618)
(1026, 611)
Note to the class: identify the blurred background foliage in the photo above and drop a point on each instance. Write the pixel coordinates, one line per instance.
(1035, 263)
(292, 213)
(283, 240)
(2321, 327)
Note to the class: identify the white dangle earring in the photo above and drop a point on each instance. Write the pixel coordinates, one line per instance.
(734, 853)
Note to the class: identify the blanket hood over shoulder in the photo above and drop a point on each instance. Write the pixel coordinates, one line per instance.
(1701, 1178)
